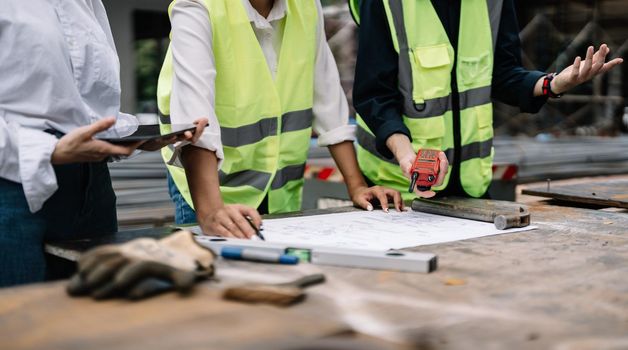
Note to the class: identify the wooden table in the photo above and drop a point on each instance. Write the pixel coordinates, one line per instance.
(563, 286)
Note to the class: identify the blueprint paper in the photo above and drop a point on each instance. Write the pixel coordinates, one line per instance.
(377, 230)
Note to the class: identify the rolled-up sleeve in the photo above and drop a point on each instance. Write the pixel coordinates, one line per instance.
(193, 86)
(331, 110)
(25, 158)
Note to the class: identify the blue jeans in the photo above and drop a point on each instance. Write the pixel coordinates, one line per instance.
(183, 213)
(82, 207)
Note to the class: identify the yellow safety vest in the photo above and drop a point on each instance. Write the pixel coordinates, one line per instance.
(265, 124)
(426, 61)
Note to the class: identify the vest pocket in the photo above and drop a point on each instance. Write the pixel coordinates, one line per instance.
(484, 117)
(475, 71)
(485, 137)
(432, 73)
(427, 132)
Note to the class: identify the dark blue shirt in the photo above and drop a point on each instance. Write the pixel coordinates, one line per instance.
(378, 100)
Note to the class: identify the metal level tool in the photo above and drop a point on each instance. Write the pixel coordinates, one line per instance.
(503, 214)
(385, 260)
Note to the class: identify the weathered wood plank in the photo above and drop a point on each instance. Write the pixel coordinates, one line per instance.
(562, 286)
(607, 193)
(43, 317)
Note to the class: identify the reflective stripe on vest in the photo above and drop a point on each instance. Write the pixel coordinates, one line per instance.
(252, 133)
(265, 123)
(426, 60)
(259, 179)
(354, 9)
(467, 152)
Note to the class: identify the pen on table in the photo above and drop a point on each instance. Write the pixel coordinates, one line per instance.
(258, 233)
(251, 254)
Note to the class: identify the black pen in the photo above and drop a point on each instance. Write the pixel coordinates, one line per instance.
(258, 233)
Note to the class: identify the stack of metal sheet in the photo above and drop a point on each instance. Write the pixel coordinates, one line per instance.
(142, 190)
(548, 158)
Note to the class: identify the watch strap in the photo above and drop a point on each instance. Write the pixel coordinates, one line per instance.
(547, 86)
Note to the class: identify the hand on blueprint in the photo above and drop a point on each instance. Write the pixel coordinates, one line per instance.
(231, 221)
(364, 197)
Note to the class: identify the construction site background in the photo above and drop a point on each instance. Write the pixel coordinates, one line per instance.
(584, 133)
(553, 33)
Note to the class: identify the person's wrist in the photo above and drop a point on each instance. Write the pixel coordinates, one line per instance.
(405, 154)
(556, 87)
(354, 187)
(58, 156)
(205, 213)
(550, 86)
(399, 145)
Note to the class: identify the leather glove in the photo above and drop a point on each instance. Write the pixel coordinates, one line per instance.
(142, 267)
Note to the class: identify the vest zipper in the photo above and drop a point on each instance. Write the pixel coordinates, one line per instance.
(455, 108)
(453, 18)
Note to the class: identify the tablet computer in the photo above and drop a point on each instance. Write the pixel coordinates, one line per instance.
(142, 132)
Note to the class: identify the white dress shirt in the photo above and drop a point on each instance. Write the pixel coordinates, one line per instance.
(59, 71)
(193, 89)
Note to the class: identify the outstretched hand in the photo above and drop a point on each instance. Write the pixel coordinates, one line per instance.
(580, 72)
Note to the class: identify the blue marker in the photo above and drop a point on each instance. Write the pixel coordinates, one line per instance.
(257, 255)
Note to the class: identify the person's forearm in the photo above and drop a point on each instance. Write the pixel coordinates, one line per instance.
(346, 160)
(201, 169)
(399, 145)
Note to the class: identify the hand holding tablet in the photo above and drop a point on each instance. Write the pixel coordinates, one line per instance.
(100, 140)
(145, 133)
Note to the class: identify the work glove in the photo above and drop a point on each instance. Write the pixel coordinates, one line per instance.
(142, 267)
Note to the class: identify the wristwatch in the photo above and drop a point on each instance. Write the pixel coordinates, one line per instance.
(547, 86)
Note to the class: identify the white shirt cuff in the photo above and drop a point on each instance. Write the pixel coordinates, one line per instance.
(37, 174)
(337, 135)
(127, 120)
